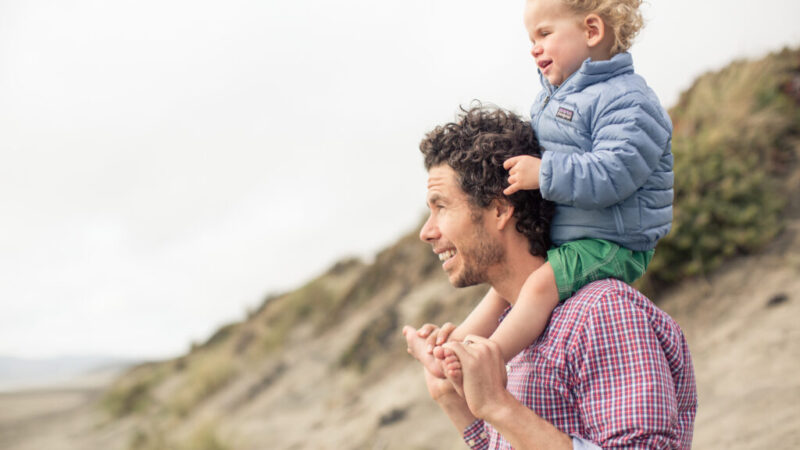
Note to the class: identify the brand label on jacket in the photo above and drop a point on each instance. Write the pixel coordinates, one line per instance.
(564, 113)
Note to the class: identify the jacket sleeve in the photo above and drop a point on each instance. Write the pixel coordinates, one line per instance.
(629, 138)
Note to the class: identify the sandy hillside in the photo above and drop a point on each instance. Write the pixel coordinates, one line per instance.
(741, 326)
(743, 333)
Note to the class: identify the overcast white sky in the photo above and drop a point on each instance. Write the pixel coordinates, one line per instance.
(166, 164)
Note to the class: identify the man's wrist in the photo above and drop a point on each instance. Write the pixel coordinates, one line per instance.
(500, 410)
(456, 409)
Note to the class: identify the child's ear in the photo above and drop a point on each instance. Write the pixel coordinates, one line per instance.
(595, 29)
(503, 212)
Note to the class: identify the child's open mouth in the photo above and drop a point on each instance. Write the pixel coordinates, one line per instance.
(544, 64)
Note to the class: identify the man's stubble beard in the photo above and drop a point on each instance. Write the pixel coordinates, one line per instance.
(478, 260)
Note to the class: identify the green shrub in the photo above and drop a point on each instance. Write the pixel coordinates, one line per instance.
(735, 140)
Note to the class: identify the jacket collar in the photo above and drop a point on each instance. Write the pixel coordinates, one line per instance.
(591, 72)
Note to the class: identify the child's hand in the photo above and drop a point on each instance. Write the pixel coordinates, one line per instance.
(435, 336)
(523, 173)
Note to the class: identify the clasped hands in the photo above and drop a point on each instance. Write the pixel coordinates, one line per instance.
(474, 370)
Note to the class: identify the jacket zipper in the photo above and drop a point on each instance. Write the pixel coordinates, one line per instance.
(541, 110)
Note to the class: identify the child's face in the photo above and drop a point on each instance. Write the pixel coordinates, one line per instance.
(559, 39)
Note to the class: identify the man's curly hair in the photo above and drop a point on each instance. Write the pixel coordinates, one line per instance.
(475, 146)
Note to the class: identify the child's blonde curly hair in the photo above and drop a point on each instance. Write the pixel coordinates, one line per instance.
(622, 16)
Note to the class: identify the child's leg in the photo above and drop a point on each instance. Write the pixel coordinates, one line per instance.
(526, 320)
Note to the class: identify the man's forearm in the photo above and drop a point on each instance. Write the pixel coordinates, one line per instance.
(524, 429)
(456, 410)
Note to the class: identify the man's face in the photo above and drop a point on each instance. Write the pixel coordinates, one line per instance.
(457, 231)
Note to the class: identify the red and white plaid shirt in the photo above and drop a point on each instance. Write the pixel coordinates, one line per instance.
(610, 368)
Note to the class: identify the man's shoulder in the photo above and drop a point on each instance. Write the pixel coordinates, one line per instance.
(606, 298)
(598, 293)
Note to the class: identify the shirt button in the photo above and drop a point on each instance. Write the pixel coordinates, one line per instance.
(508, 368)
(484, 435)
(471, 442)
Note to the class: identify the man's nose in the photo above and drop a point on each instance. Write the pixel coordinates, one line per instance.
(429, 232)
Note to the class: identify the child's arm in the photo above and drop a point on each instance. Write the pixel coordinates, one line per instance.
(528, 318)
(482, 321)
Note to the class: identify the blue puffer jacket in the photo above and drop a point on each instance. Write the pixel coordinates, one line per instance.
(607, 161)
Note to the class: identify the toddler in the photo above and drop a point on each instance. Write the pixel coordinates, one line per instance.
(606, 164)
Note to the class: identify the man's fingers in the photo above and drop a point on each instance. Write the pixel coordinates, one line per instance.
(474, 338)
(458, 348)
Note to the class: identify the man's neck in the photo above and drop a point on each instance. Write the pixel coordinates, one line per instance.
(509, 276)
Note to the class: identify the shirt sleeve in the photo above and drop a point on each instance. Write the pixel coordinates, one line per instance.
(475, 435)
(583, 444)
(626, 394)
(628, 141)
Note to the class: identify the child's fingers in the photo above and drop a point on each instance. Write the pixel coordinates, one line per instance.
(444, 333)
(511, 189)
(510, 162)
(425, 330)
(431, 341)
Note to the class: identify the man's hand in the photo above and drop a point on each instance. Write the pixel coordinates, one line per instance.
(442, 391)
(523, 173)
(435, 336)
(484, 381)
(425, 345)
(483, 374)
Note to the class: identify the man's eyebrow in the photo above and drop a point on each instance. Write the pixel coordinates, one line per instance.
(434, 198)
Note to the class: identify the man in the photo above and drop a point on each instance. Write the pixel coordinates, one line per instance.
(610, 369)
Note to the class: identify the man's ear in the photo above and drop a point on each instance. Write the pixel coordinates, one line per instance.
(503, 212)
(595, 29)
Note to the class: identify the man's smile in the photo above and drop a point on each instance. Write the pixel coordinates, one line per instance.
(446, 256)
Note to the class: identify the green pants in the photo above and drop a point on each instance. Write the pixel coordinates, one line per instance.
(578, 263)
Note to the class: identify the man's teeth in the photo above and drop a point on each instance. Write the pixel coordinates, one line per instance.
(444, 256)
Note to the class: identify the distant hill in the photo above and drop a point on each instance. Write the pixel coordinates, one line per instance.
(324, 366)
(18, 373)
